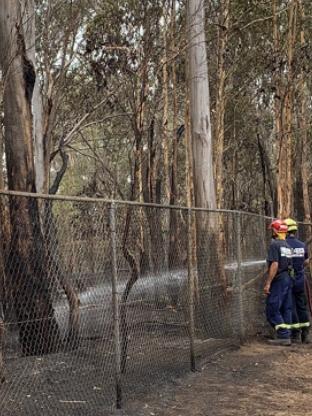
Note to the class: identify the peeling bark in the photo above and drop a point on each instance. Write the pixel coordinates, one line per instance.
(205, 195)
(209, 242)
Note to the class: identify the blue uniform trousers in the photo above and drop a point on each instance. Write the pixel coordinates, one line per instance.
(279, 305)
(300, 316)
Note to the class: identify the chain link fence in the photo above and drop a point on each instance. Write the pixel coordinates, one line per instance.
(102, 301)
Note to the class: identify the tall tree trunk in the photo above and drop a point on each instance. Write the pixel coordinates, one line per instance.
(41, 159)
(28, 13)
(220, 114)
(27, 262)
(166, 146)
(209, 244)
(221, 99)
(174, 254)
(277, 90)
(303, 126)
(284, 112)
(3, 240)
(269, 184)
(304, 123)
(190, 199)
(165, 141)
(204, 186)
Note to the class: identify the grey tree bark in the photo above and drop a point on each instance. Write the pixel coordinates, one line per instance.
(29, 25)
(209, 246)
(205, 194)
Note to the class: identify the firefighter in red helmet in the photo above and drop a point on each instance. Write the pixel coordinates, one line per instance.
(278, 285)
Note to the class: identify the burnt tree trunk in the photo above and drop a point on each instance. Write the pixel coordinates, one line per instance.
(26, 265)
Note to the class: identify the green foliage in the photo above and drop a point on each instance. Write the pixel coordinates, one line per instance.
(117, 50)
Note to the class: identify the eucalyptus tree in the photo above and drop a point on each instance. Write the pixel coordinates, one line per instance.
(26, 263)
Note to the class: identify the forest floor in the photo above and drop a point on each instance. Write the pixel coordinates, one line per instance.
(256, 380)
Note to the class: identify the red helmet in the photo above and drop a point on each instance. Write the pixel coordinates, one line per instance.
(278, 226)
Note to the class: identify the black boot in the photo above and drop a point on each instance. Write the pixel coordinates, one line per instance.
(305, 336)
(296, 337)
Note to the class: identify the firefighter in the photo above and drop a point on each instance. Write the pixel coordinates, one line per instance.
(278, 285)
(300, 257)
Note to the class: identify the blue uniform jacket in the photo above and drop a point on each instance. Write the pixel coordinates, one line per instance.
(299, 254)
(280, 252)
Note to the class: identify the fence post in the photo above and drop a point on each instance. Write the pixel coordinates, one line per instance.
(115, 304)
(191, 288)
(238, 284)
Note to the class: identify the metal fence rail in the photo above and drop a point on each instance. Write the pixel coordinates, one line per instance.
(103, 300)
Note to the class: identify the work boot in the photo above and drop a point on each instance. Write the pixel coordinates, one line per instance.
(280, 341)
(305, 336)
(296, 337)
